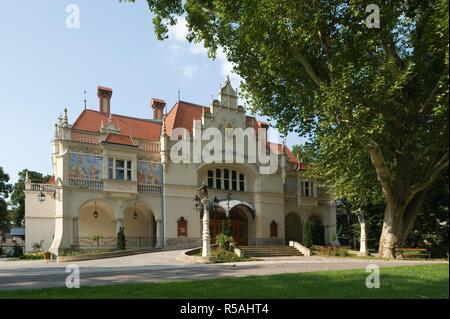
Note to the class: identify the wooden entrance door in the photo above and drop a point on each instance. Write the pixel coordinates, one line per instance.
(239, 226)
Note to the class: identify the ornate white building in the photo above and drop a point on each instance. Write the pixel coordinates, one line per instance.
(112, 171)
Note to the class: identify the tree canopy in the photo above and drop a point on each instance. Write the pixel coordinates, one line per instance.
(317, 69)
(5, 190)
(18, 194)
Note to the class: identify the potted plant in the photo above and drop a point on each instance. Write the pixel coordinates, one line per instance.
(47, 255)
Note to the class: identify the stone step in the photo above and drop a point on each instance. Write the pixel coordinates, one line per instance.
(269, 251)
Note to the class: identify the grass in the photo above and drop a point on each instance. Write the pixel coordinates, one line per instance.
(424, 281)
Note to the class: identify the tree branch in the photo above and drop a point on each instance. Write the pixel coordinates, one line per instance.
(436, 171)
(389, 48)
(308, 68)
(383, 174)
(426, 105)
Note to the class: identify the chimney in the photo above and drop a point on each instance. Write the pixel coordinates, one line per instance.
(104, 96)
(158, 108)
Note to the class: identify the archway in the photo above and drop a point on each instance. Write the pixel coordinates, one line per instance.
(96, 226)
(293, 228)
(217, 217)
(239, 225)
(139, 226)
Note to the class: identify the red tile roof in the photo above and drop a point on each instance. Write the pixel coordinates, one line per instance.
(119, 139)
(90, 120)
(183, 115)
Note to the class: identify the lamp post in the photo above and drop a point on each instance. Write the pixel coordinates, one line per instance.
(202, 202)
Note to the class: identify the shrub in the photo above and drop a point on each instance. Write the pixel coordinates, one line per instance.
(37, 246)
(335, 251)
(307, 236)
(17, 251)
(224, 241)
(121, 240)
(35, 255)
(222, 255)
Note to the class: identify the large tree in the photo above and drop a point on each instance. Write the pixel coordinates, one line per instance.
(18, 194)
(315, 67)
(5, 190)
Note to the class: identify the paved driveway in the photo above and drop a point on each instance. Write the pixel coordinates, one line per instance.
(163, 266)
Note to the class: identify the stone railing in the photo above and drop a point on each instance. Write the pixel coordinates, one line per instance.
(85, 183)
(138, 241)
(155, 189)
(88, 242)
(151, 147)
(40, 187)
(305, 251)
(110, 242)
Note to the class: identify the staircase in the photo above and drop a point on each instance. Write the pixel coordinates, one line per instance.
(269, 251)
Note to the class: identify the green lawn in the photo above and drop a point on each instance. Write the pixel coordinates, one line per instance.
(428, 281)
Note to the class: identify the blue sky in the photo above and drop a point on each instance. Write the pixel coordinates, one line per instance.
(45, 66)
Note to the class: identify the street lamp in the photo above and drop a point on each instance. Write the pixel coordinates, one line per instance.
(201, 202)
(135, 215)
(95, 213)
(41, 197)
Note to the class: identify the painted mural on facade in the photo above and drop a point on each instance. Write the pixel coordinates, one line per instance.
(149, 173)
(85, 166)
(291, 186)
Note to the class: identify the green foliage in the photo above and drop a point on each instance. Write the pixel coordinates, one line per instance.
(37, 246)
(17, 251)
(223, 255)
(305, 153)
(18, 194)
(432, 227)
(34, 255)
(224, 241)
(373, 101)
(333, 251)
(5, 190)
(121, 240)
(307, 234)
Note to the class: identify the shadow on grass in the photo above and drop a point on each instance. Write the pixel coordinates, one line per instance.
(429, 281)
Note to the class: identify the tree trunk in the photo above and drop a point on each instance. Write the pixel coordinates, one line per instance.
(409, 219)
(392, 226)
(363, 237)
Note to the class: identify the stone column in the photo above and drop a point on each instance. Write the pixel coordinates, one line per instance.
(75, 231)
(159, 231)
(206, 251)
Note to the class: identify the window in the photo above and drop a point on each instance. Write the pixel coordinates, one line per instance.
(233, 180)
(226, 179)
(110, 168)
(241, 182)
(120, 169)
(128, 170)
(307, 189)
(218, 179)
(210, 179)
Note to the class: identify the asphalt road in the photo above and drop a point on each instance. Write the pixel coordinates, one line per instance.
(163, 266)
